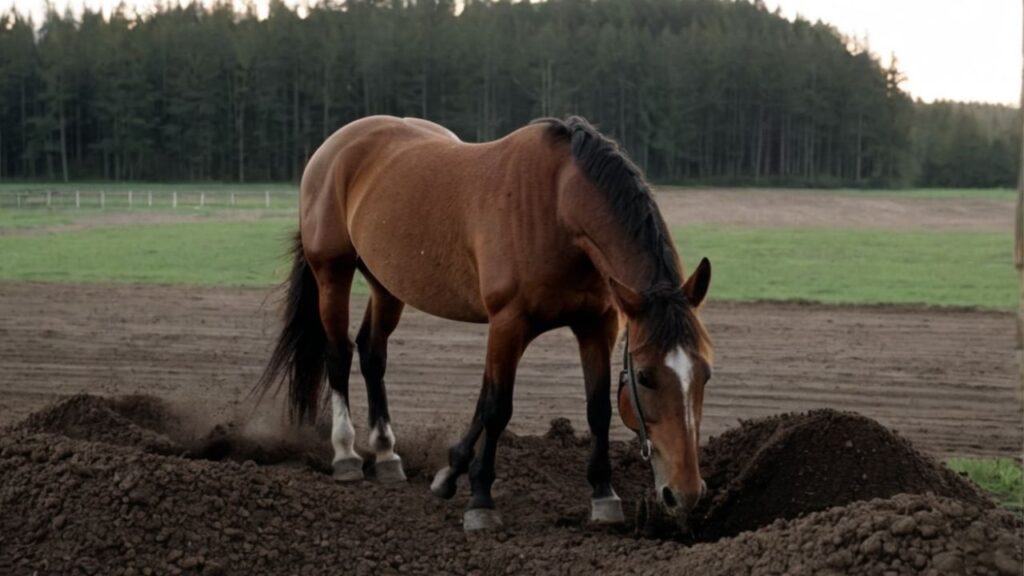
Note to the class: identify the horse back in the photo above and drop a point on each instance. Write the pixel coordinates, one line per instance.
(457, 230)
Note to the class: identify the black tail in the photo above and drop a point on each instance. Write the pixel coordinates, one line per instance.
(298, 357)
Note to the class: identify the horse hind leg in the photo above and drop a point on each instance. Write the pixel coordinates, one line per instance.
(383, 313)
(335, 282)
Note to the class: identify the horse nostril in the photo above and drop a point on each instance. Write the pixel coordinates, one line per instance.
(668, 498)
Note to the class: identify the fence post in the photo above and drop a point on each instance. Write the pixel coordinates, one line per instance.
(49, 198)
(129, 198)
(103, 199)
(232, 198)
(202, 199)
(149, 198)
(267, 195)
(1018, 263)
(78, 199)
(174, 199)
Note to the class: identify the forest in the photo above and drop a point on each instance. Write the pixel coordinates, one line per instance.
(698, 91)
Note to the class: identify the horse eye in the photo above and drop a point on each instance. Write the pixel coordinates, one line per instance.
(643, 379)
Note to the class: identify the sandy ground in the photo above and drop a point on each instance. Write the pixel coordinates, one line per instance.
(943, 378)
(808, 208)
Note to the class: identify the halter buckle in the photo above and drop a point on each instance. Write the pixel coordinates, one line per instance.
(645, 450)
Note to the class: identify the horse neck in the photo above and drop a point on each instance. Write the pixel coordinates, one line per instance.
(602, 235)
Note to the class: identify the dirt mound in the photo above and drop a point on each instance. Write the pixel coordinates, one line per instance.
(905, 534)
(80, 500)
(789, 465)
(140, 421)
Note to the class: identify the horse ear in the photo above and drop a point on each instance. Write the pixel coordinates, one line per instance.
(629, 300)
(696, 286)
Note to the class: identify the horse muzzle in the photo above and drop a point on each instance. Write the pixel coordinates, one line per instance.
(677, 503)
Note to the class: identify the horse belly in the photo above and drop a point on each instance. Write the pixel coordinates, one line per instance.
(419, 254)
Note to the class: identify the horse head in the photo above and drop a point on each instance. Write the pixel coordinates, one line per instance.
(661, 393)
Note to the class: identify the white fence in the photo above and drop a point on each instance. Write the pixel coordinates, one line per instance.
(183, 199)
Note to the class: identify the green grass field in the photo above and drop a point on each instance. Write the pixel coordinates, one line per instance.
(33, 218)
(856, 266)
(1001, 477)
(202, 253)
(834, 266)
(56, 217)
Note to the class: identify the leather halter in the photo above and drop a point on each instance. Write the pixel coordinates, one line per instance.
(628, 378)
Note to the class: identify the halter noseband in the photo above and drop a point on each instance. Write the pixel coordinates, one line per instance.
(628, 378)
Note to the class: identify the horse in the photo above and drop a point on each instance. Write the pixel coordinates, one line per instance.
(550, 226)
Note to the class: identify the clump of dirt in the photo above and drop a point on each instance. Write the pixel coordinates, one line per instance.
(78, 496)
(789, 465)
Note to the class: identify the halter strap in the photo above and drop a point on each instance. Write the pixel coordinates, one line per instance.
(630, 377)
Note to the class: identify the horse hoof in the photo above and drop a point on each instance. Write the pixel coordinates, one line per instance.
(389, 471)
(607, 510)
(443, 485)
(348, 470)
(477, 519)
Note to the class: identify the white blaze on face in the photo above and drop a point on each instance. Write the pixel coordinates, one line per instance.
(681, 364)
(343, 434)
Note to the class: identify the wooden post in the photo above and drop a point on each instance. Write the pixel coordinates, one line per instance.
(174, 199)
(49, 198)
(129, 198)
(19, 200)
(103, 199)
(232, 198)
(267, 195)
(1018, 253)
(202, 199)
(78, 199)
(149, 198)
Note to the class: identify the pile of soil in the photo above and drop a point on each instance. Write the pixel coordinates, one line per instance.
(905, 534)
(82, 490)
(138, 421)
(787, 465)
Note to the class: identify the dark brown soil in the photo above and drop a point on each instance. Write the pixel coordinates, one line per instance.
(123, 486)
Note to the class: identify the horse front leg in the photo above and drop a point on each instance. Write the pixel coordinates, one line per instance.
(507, 339)
(596, 341)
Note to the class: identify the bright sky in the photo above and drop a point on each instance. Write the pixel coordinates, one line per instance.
(948, 49)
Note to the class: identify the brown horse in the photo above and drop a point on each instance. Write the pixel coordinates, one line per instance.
(550, 226)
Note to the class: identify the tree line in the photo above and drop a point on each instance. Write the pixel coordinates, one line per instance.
(701, 91)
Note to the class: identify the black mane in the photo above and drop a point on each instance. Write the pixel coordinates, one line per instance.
(668, 316)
